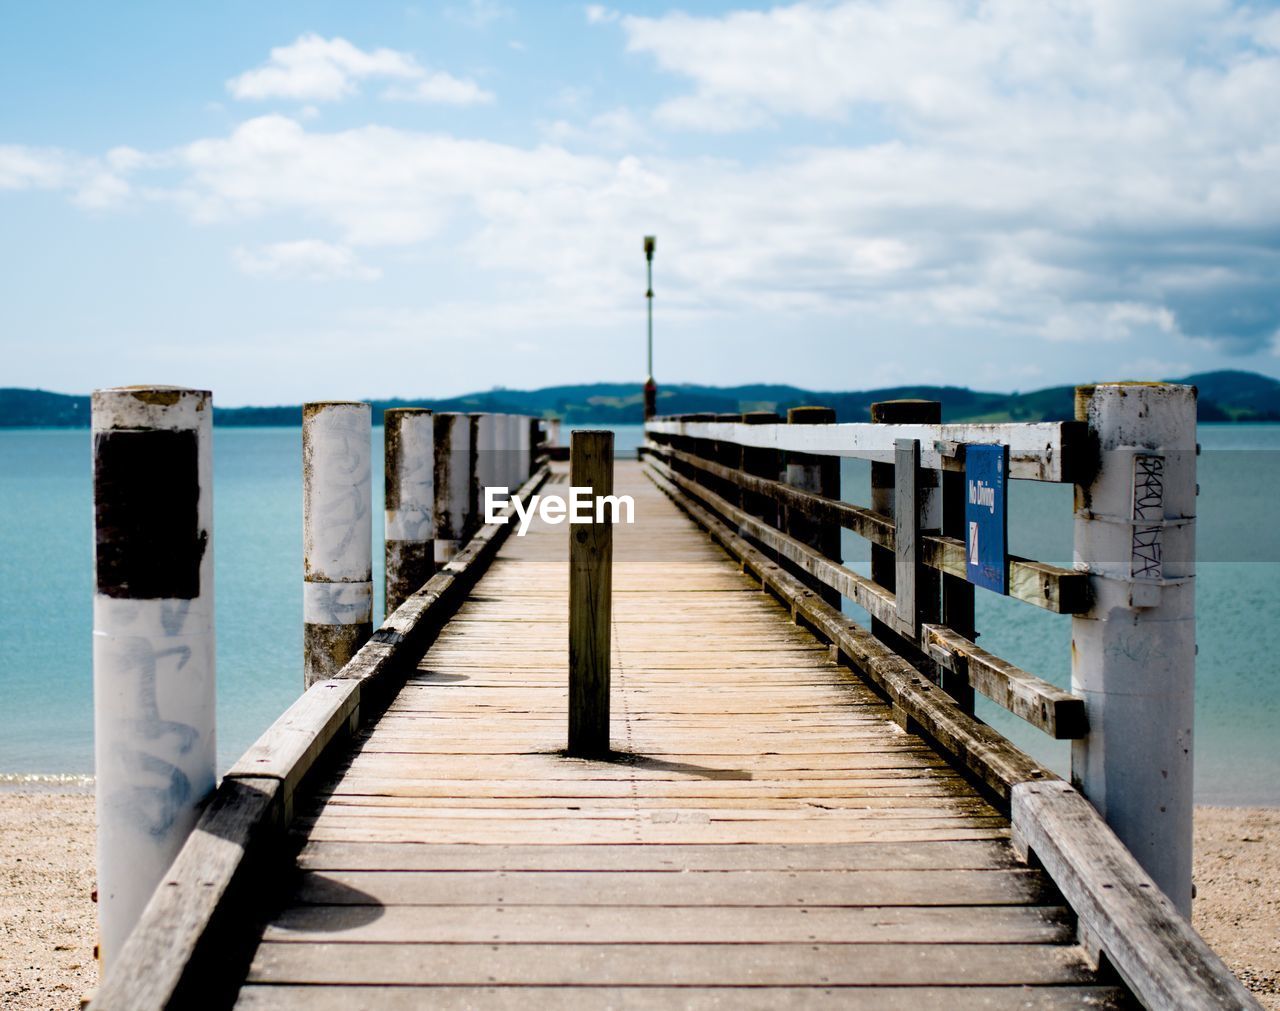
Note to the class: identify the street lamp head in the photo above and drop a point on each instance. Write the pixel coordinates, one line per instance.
(649, 242)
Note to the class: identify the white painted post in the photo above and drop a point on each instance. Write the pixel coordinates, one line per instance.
(552, 439)
(524, 443)
(410, 502)
(337, 535)
(153, 642)
(1133, 653)
(486, 453)
(501, 451)
(453, 482)
(511, 465)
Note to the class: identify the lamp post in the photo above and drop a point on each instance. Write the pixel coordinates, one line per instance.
(650, 387)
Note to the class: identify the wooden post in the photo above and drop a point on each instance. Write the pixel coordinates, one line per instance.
(906, 522)
(1133, 652)
(650, 398)
(487, 427)
(511, 454)
(590, 596)
(884, 562)
(821, 475)
(524, 443)
(765, 463)
(337, 535)
(471, 517)
(153, 641)
(957, 593)
(410, 502)
(452, 446)
(535, 443)
(729, 454)
(700, 448)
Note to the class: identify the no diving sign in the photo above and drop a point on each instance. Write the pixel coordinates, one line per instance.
(986, 469)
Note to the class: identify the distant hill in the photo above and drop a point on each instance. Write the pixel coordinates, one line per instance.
(1224, 396)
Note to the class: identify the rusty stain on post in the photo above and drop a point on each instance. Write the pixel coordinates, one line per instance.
(410, 502)
(337, 603)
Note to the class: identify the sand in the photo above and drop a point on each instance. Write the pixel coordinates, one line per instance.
(47, 916)
(1237, 904)
(47, 913)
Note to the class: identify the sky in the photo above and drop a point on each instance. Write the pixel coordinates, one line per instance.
(287, 201)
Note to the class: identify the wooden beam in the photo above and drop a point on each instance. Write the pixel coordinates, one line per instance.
(1049, 587)
(1123, 914)
(906, 507)
(1057, 451)
(1059, 714)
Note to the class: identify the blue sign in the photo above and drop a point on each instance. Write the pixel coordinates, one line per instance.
(986, 470)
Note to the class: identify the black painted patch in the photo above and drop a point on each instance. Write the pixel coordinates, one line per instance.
(146, 490)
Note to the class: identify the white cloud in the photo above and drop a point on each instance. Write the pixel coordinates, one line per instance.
(478, 14)
(1054, 173)
(441, 88)
(313, 68)
(316, 69)
(615, 130)
(92, 183)
(597, 14)
(304, 259)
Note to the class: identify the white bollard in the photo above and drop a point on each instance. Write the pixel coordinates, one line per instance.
(453, 451)
(153, 642)
(501, 451)
(410, 502)
(1133, 653)
(524, 455)
(486, 452)
(337, 534)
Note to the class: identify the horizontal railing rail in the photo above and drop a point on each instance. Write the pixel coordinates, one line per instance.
(1059, 451)
(1051, 587)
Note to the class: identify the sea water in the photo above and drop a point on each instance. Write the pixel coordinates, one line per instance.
(46, 565)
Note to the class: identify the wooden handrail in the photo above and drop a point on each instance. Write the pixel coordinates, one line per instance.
(1057, 451)
(1049, 587)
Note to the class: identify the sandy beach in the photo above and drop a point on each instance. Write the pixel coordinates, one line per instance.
(47, 913)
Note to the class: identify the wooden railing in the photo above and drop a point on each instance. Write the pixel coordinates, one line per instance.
(693, 455)
(769, 492)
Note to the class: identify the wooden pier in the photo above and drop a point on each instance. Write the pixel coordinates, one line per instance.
(792, 815)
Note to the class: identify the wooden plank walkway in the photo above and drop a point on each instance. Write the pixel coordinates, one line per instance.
(766, 836)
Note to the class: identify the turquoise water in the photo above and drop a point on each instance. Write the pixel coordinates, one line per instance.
(46, 595)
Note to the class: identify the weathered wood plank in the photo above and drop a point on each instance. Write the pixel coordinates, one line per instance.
(1058, 713)
(678, 964)
(635, 998)
(942, 887)
(190, 945)
(978, 855)
(505, 924)
(1122, 912)
(1045, 451)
